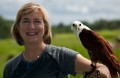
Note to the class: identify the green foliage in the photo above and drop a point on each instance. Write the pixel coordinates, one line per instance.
(97, 25)
(105, 24)
(60, 28)
(5, 26)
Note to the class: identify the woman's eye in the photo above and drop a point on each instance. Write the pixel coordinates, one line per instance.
(37, 22)
(25, 21)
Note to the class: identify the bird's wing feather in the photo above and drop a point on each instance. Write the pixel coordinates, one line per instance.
(110, 53)
(92, 41)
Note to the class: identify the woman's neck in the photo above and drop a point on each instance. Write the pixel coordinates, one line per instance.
(32, 52)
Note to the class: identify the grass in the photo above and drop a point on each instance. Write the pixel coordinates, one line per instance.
(69, 40)
(9, 47)
(110, 34)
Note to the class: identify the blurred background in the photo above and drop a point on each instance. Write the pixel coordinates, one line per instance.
(102, 16)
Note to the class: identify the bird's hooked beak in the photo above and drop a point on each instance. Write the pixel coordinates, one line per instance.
(75, 27)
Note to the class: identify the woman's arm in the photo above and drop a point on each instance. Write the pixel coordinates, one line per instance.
(83, 65)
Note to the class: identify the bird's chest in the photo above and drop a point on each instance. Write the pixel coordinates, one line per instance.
(90, 42)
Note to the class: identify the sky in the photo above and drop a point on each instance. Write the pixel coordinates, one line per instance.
(67, 11)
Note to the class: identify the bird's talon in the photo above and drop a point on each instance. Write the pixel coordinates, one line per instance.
(97, 72)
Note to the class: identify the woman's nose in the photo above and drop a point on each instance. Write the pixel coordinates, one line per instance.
(32, 26)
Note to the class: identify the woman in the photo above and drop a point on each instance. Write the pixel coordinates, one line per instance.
(31, 29)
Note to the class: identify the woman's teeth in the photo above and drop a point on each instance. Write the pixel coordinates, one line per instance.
(31, 33)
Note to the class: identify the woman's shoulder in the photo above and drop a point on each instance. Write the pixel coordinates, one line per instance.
(56, 50)
(14, 61)
(53, 48)
(57, 47)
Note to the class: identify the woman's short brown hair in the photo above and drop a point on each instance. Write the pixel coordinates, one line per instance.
(26, 9)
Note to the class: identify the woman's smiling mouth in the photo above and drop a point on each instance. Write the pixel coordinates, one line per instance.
(31, 33)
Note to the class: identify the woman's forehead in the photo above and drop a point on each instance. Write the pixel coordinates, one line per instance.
(34, 14)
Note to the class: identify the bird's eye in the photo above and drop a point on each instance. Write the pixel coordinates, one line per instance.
(74, 25)
(79, 24)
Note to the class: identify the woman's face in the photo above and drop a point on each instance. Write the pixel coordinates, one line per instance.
(31, 27)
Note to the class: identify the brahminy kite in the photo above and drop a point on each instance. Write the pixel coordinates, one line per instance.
(98, 48)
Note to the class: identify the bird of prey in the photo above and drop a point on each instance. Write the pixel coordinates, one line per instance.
(98, 48)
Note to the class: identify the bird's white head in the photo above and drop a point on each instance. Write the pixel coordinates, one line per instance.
(77, 27)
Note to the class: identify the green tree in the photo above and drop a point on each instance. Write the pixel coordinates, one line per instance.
(5, 26)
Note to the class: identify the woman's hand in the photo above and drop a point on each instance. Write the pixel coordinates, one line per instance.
(103, 72)
(83, 65)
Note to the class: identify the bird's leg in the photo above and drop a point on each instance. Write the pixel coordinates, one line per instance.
(96, 72)
(87, 74)
(93, 65)
(93, 59)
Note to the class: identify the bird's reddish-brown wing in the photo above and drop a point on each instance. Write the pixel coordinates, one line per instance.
(100, 48)
(111, 55)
